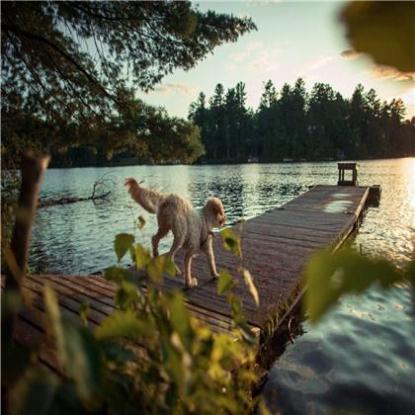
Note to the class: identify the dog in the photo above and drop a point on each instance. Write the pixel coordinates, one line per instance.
(191, 228)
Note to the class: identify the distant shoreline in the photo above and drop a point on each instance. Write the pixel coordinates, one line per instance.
(222, 162)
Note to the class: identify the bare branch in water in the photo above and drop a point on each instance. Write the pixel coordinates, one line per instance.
(105, 181)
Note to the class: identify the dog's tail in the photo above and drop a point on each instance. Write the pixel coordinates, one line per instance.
(146, 198)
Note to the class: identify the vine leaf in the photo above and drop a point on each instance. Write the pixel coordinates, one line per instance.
(225, 282)
(231, 241)
(122, 244)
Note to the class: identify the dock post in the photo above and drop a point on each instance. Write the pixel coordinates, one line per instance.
(374, 195)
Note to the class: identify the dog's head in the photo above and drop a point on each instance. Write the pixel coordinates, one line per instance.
(214, 208)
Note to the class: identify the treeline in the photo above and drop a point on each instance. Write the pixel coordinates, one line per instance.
(300, 125)
(138, 133)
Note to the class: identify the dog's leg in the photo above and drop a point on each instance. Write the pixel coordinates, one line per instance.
(208, 250)
(161, 233)
(189, 280)
(177, 243)
(212, 263)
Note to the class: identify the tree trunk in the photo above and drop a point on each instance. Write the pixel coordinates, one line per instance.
(32, 170)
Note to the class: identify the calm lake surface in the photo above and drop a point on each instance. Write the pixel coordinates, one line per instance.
(360, 358)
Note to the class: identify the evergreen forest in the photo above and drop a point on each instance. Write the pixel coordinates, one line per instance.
(294, 124)
(291, 124)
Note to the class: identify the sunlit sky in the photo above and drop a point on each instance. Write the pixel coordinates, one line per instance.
(294, 39)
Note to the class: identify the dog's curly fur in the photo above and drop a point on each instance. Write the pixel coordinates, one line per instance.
(192, 229)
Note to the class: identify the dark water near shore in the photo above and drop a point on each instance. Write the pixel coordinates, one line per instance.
(360, 358)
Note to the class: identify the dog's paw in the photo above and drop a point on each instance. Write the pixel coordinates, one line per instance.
(191, 284)
(215, 275)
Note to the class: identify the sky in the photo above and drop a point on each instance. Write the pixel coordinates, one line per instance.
(294, 39)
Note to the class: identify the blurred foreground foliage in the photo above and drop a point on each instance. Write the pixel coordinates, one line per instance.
(330, 276)
(383, 29)
(149, 356)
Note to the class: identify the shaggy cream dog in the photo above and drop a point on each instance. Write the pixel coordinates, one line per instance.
(192, 229)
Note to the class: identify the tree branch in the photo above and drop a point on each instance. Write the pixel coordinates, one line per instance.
(69, 58)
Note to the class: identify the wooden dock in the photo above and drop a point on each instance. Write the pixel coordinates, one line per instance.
(275, 245)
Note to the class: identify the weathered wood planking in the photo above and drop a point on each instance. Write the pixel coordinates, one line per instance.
(276, 246)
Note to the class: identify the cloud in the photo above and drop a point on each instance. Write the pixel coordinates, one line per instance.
(261, 2)
(386, 72)
(182, 89)
(317, 64)
(256, 57)
(408, 98)
(350, 54)
(250, 49)
(264, 62)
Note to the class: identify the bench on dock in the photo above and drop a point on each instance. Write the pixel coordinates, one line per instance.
(275, 246)
(343, 167)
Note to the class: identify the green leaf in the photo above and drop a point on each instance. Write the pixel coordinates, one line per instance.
(250, 284)
(329, 276)
(122, 244)
(122, 324)
(231, 241)
(141, 222)
(127, 295)
(34, 393)
(55, 322)
(77, 350)
(225, 282)
(384, 30)
(84, 312)
(180, 318)
(118, 275)
(15, 359)
(236, 306)
(83, 361)
(11, 303)
(159, 265)
(67, 400)
(142, 256)
(116, 352)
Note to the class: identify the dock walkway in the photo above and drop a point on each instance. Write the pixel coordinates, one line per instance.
(275, 246)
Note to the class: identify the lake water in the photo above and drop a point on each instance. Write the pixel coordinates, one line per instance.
(360, 358)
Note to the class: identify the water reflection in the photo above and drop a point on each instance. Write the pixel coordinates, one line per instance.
(361, 358)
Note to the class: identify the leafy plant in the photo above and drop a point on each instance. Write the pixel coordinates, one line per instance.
(149, 356)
